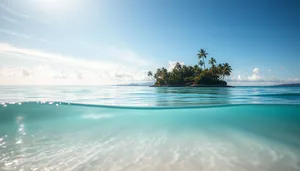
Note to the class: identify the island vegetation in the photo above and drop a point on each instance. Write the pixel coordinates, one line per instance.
(197, 75)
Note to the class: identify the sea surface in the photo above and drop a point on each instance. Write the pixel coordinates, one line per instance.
(139, 128)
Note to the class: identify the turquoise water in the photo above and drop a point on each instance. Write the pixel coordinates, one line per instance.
(157, 129)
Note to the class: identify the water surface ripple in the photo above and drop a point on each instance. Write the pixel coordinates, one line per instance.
(151, 96)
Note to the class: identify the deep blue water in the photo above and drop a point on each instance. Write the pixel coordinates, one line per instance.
(142, 128)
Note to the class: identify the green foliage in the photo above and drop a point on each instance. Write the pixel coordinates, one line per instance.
(202, 55)
(150, 74)
(190, 75)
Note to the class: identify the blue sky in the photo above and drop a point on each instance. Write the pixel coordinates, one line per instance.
(114, 42)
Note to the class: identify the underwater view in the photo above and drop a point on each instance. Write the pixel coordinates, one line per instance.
(135, 128)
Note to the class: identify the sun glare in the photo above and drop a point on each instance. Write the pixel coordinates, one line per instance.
(52, 4)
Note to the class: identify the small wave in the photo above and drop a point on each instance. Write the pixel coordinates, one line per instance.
(173, 107)
(57, 104)
(279, 95)
(96, 117)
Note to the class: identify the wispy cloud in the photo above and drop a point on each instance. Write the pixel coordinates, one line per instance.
(72, 70)
(9, 19)
(12, 33)
(25, 36)
(120, 54)
(13, 12)
(52, 57)
(20, 15)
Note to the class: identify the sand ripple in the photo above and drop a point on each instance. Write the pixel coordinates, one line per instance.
(103, 150)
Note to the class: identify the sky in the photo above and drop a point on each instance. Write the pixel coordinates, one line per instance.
(105, 42)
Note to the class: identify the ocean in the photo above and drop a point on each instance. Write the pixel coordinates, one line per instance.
(140, 128)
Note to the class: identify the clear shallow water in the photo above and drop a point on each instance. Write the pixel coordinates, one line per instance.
(234, 129)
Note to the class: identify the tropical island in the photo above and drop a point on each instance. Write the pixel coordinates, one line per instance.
(195, 76)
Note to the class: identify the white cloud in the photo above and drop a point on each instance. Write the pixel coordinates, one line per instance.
(79, 75)
(8, 72)
(255, 71)
(30, 54)
(83, 74)
(122, 75)
(52, 68)
(172, 64)
(239, 77)
(45, 76)
(142, 75)
(15, 72)
(26, 72)
(255, 75)
(61, 74)
(252, 78)
(257, 79)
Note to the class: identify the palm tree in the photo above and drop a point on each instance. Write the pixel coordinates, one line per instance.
(227, 69)
(164, 70)
(196, 70)
(165, 75)
(150, 74)
(202, 55)
(212, 62)
(157, 75)
(201, 63)
(220, 70)
(178, 66)
(224, 70)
